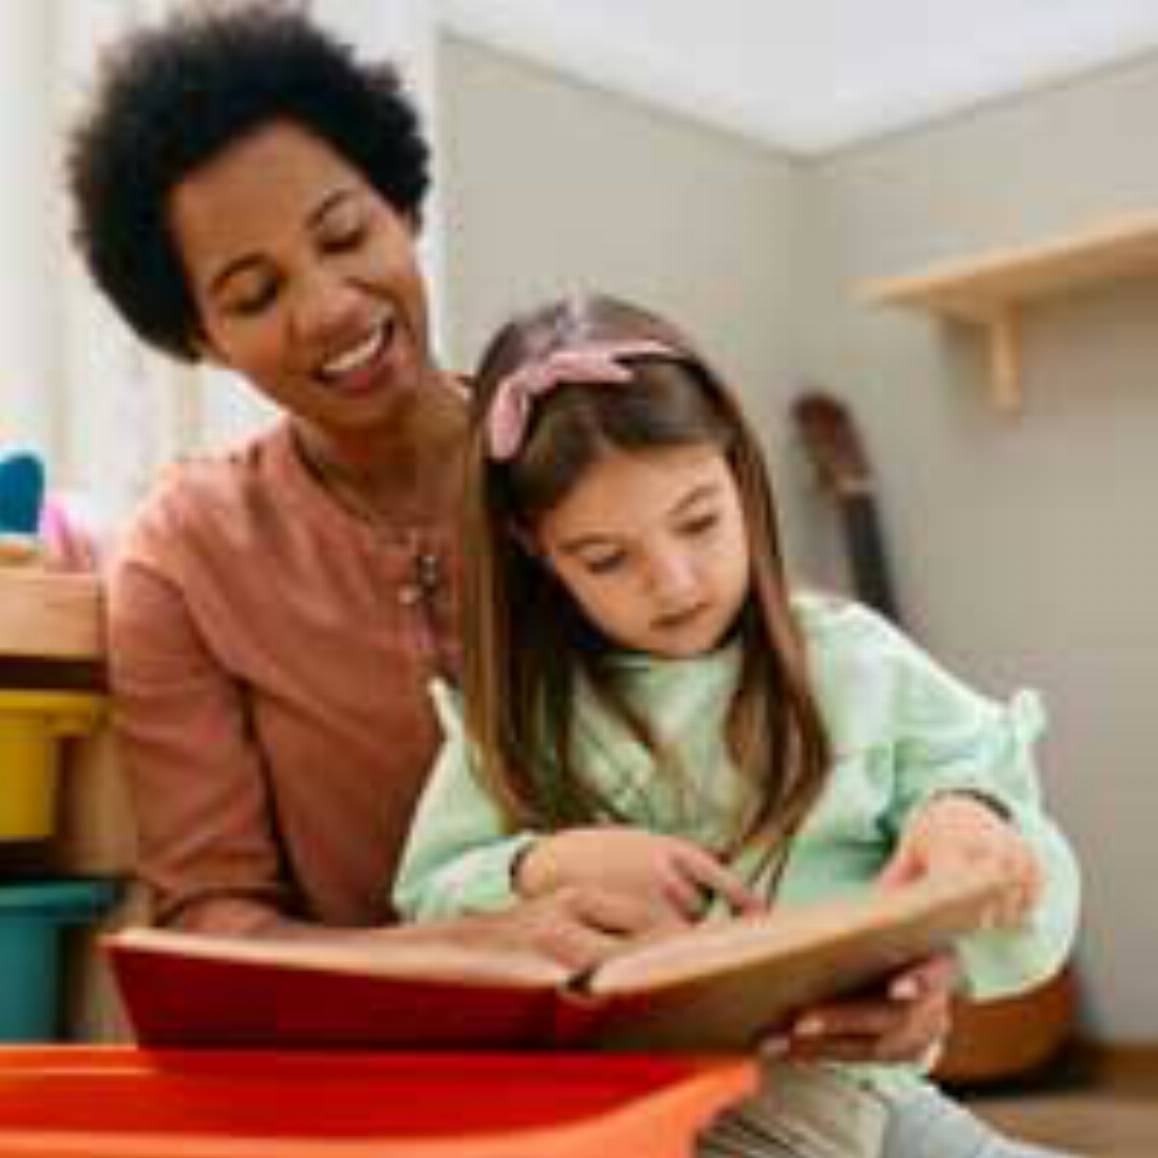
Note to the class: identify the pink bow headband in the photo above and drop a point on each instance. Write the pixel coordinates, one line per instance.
(590, 363)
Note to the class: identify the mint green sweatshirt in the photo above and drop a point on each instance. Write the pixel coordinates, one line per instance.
(902, 730)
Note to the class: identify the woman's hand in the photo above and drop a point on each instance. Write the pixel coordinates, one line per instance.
(956, 833)
(670, 875)
(907, 1023)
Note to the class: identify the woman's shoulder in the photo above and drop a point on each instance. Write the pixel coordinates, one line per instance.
(208, 493)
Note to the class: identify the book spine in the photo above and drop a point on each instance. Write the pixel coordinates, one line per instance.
(576, 1017)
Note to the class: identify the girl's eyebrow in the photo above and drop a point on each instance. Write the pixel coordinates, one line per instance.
(583, 542)
(702, 491)
(246, 261)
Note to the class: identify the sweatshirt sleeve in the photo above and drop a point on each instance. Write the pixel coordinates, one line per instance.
(952, 739)
(458, 856)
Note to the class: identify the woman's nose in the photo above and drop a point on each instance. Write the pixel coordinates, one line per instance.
(326, 306)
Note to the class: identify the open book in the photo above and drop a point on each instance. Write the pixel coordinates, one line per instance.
(718, 986)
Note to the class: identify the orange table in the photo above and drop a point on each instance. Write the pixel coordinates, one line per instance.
(122, 1102)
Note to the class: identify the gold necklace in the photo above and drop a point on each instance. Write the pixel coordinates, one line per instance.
(421, 587)
(339, 486)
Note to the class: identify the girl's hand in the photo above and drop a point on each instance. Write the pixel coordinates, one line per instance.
(671, 875)
(907, 1023)
(578, 928)
(953, 833)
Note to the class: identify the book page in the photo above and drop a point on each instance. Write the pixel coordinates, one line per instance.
(728, 985)
(954, 906)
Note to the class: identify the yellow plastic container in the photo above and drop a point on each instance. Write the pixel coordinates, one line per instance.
(32, 723)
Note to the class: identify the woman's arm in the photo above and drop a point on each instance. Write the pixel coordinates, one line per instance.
(907, 1022)
(206, 850)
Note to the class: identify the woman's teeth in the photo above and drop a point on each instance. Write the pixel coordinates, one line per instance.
(356, 357)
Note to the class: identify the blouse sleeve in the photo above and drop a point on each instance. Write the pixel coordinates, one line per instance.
(949, 738)
(458, 857)
(206, 851)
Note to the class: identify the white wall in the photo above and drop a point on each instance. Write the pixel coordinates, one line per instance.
(552, 186)
(26, 237)
(1023, 548)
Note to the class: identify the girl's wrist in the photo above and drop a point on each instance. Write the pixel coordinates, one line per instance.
(994, 805)
(526, 877)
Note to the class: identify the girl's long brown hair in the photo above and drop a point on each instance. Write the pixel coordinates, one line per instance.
(526, 643)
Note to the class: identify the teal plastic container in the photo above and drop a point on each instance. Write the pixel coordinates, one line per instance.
(33, 916)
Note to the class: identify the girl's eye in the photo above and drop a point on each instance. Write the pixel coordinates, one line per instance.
(700, 525)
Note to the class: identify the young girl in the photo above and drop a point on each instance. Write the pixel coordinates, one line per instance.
(645, 707)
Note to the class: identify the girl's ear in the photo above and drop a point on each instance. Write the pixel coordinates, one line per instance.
(525, 538)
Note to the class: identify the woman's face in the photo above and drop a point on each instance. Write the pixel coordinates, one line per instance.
(305, 279)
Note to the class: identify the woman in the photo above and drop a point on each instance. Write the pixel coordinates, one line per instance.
(248, 193)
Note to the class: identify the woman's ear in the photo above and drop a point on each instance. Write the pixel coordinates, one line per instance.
(205, 349)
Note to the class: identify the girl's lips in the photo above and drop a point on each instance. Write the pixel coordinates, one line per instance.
(679, 619)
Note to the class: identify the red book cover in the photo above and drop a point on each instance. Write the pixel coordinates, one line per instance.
(717, 986)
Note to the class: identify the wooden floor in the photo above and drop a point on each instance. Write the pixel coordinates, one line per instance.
(1105, 1108)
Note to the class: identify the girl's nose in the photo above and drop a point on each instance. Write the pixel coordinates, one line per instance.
(672, 577)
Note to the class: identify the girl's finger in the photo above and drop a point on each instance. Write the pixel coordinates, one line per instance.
(715, 879)
(682, 892)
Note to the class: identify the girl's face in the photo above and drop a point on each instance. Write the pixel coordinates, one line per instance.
(305, 278)
(653, 547)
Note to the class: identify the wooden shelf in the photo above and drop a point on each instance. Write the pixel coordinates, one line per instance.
(49, 615)
(991, 290)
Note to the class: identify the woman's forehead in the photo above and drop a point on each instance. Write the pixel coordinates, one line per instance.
(262, 185)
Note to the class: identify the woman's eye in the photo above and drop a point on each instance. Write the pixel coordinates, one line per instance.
(252, 301)
(344, 240)
(603, 564)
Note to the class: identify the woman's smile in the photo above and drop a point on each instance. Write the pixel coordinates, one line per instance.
(356, 369)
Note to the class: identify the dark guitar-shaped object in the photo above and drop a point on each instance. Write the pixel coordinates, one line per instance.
(839, 457)
(990, 1041)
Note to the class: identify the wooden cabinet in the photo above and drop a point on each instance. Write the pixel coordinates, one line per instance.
(51, 648)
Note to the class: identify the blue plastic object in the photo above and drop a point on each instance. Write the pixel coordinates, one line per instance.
(21, 493)
(33, 915)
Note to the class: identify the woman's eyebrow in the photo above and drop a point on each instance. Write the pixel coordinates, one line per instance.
(230, 269)
(328, 202)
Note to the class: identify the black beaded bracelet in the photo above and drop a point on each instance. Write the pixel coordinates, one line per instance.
(995, 805)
